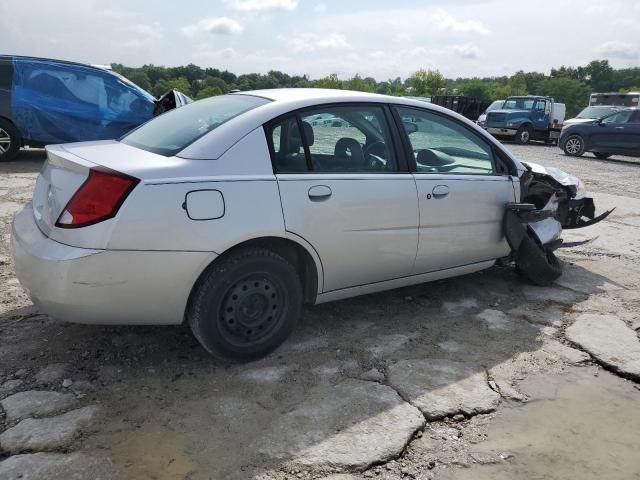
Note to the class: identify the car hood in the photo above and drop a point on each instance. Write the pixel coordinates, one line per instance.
(575, 121)
(563, 178)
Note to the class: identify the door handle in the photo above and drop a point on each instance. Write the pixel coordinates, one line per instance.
(619, 128)
(440, 191)
(319, 193)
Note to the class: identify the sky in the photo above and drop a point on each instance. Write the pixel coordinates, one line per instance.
(381, 39)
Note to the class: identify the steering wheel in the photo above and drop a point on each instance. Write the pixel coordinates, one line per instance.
(375, 160)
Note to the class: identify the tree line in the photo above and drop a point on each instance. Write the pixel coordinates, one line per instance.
(570, 85)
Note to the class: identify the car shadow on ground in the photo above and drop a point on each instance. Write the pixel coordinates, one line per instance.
(163, 396)
(27, 161)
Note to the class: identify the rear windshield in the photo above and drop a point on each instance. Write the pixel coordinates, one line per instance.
(175, 130)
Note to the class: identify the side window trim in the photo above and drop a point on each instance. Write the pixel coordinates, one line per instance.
(409, 150)
(305, 143)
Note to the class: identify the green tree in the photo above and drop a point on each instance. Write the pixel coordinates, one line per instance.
(207, 92)
(330, 81)
(426, 82)
(163, 86)
(358, 83)
(139, 78)
(573, 93)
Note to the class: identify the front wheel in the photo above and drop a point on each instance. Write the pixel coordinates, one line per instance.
(246, 305)
(10, 141)
(574, 146)
(536, 263)
(523, 135)
(602, 156)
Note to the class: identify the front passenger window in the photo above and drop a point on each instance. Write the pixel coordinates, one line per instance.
(441, 145)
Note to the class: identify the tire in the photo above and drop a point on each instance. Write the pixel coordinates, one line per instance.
(601, 156)
(10, 141)
(574, 146)
(246, 305)
(539, 265)
(523, 135)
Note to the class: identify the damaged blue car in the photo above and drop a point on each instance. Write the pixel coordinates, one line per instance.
(45, 101)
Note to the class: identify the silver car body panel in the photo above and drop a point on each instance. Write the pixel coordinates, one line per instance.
(373, 232)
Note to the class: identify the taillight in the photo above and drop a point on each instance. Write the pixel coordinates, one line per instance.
(98, 198)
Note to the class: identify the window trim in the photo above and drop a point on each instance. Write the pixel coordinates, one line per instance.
(401, 164)
(410, 159)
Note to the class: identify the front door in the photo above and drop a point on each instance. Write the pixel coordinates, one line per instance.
(343, 191)
(615, 133)
(463, 189)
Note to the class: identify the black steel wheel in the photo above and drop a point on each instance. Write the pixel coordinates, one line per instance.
(245, 305)
(523, 135)
(10, 140)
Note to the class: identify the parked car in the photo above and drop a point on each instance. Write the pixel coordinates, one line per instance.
(590, 114)
(45, 101)
(495, 105)
(618, 133)
(232, 212)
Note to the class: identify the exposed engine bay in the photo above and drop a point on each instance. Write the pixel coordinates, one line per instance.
(550, 200)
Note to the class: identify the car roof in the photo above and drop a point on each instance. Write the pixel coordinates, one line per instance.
(65, 62)
(285, 100)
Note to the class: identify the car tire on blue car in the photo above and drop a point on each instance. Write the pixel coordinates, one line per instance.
(245, 304)
(10, 140)
(574, 146)
(523, 135)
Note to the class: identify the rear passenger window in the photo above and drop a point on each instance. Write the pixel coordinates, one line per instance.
(333, 139)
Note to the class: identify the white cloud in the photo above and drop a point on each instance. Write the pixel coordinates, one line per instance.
(445, 21)
(308, 42)
(150, 31)
(214, 26)
(260, 5)
(320, 8)
(467, 51)
(620, 50)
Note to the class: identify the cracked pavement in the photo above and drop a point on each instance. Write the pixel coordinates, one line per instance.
(481, 376)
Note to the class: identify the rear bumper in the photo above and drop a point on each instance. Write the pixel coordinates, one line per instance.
(506, 132)
(102, 286)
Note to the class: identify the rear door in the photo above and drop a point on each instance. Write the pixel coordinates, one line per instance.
(463, 189)
(344, 191)
(614, 133)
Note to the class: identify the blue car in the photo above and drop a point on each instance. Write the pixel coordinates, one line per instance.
(45, 101)
(618, 133)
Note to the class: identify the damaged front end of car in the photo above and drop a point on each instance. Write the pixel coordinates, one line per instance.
(550, 200)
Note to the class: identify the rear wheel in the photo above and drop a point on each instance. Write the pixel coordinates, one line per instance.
(574, 146)
(523, 135)
(246, 305)
(10, 140)
(602, 156)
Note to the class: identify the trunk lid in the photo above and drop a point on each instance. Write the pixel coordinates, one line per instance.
(65, 170)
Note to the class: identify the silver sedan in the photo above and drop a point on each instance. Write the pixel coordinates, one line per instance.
(232, 212)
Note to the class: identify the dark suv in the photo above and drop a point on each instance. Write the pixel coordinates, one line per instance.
(618, 133)
(45, 101)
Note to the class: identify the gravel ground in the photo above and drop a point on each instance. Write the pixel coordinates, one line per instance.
(482, 376)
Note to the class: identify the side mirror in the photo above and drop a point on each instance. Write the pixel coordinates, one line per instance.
(410, 127)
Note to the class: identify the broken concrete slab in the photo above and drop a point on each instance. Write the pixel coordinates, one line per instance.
(560, 295)
(440, 388)
(609, 340)
(35, 403)
(373, 375)
(566, 353)
(495, 319)
(548, 315)
(10, 385)
(57, 466)
(352, 424)
(51, 374)
(340, 476)
(47, 433)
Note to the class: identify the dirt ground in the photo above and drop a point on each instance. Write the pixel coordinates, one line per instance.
(481, 376)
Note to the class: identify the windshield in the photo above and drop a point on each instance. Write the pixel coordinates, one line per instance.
(596, 112)
(130, 84)
(494, 106)
(518, 103)
(175, 130)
